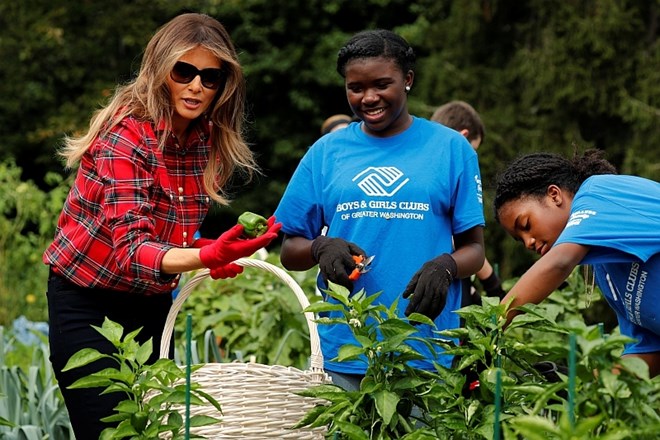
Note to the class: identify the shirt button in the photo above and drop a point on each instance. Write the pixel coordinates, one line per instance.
(207, 200)
(173, 284)
(180, 198)
(177, 276)
(180, 189)
(185, 234)
(185, 244)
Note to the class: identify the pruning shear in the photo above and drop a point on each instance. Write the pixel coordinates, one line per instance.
(362, 265)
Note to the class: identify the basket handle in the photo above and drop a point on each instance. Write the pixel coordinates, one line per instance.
(316, 358)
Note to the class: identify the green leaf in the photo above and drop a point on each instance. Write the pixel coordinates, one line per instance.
(340, 293)
(409, 382)
(586, 426)
(423, 319)
(349, 352)
(311, 416)
(117, 387)
(327, 392)
(89, 382)
(127, 406)
(210, 399)
(614, 387)
(636, 366)
(132, 335)
(82, 358)
(5, 422)
(364, 341)
(320, 307)
(115, 375)
(466, 361)
(353, 432)
(397, 327)
(203, 420)
(108, 434)
(175, 418)
(386, 402)
(116, 418)
(143, 353)
(328, 321)
(111, 331)
(534, 427)
(125, 429)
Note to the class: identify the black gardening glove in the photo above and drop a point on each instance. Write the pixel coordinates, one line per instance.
(493, 286)
(335, 259)
(429, 286)
(550, 370)
(552, 373)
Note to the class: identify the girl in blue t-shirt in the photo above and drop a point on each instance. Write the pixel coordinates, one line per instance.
(580, 211)
(401, 188)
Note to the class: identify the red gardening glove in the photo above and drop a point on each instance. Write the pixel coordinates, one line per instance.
(230, 246)
(229, 270)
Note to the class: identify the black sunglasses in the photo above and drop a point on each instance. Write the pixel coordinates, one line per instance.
(184, 73)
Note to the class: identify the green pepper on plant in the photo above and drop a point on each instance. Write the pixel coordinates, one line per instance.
(253, 224)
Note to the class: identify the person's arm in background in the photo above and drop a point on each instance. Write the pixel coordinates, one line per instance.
(651, 359)
(485, 271)
(546, 275)
(490, 280)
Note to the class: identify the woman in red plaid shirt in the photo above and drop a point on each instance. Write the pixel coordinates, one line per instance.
(150, 165)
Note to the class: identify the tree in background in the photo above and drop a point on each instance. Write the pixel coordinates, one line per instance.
(61, 59)
(544, 75)
(547, 75)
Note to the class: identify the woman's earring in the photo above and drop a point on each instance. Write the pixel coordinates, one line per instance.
(407, 89)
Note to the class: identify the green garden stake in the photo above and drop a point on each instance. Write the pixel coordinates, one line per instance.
(571, 380)
(498, 396)
(188, 370)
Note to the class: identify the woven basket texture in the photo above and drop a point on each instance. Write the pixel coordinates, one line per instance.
(258, 401)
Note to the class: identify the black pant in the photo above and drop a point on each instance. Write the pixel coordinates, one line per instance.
(72, 310)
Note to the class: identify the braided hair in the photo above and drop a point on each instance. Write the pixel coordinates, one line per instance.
(530, 175)
(377, 43)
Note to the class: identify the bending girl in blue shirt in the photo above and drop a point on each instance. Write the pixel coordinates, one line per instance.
(580, 211)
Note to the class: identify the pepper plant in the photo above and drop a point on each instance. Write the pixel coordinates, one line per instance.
(514, 382)
(154, 392)
(394, 398)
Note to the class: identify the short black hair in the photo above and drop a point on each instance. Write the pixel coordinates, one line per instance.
(530, 175)
(377, 43)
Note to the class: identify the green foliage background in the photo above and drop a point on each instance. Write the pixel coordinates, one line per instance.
(550, 75)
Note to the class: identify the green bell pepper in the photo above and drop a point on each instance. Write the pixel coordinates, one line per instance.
(254, 225)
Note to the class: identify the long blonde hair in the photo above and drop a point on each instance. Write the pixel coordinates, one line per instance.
(147, 97)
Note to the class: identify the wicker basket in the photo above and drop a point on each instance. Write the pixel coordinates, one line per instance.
(258, 401)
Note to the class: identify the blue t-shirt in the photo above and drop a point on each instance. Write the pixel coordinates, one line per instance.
(399, 198)
(619, 218)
